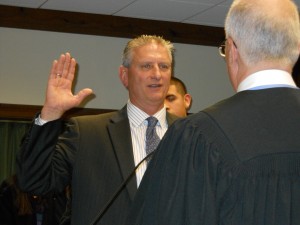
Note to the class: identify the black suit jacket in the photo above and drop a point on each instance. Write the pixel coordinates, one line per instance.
(92, 153)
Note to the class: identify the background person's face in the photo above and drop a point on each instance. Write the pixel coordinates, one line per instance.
(175, 102)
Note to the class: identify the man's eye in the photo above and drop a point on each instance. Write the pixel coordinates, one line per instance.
(170, 98)
(163, 66)
(146, 66)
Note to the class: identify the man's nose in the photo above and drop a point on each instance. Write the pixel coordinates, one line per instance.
(156, 72)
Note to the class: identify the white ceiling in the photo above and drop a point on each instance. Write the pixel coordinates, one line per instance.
(200, 12)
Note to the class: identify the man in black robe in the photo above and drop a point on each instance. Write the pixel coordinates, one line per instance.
(238, 161)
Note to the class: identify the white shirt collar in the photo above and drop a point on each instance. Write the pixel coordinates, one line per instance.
(266, 78)
(137, 116)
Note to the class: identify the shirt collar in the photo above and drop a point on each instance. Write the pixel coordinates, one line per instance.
(267, 78)
(137, 116)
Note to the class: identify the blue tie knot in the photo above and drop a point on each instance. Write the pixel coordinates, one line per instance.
(152, 121)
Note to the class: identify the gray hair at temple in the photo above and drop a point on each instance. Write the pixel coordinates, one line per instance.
(265, 32)
(141, 41)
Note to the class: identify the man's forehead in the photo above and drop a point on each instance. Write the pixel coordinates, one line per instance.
(172, 90)
(151, 51)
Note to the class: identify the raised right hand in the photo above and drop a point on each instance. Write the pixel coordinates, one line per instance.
(59, 96)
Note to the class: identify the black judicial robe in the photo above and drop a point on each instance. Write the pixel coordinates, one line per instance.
(235, 163)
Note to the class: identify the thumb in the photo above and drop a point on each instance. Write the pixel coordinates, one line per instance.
(83, 94)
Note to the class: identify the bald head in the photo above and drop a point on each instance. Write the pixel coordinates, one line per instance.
(275, 7)
(268, 7)
(265, 30)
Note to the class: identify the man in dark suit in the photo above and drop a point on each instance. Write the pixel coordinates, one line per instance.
(237, 162)
(95, 154)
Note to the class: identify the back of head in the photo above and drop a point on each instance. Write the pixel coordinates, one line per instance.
(265, 31)
(141, 41)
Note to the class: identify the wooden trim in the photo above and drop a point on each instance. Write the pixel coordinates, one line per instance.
(106, 25)
(28, 112)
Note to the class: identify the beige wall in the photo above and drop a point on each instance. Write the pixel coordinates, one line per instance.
(26, 57)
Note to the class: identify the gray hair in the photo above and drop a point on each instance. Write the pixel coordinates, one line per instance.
(260, 35)
(141, 41)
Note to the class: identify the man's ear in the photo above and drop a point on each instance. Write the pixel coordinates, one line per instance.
(233, 50)
(188, 101)
(233, 62)
(123, 75)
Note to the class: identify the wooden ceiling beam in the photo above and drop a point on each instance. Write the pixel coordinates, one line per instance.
(106, 25)
(28, 112)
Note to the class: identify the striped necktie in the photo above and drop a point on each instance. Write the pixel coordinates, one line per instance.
(152, 139)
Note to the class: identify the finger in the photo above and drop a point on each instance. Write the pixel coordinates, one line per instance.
(66, 65)
(83, 94)
(72, 69)
(60, 65)
(53, 70)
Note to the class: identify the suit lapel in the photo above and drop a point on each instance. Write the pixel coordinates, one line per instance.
(120, 135)
(119, 131)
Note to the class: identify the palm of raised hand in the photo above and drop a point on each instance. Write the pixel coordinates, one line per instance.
(59, 96)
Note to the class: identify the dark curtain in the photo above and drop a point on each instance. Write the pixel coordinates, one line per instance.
(11, 134)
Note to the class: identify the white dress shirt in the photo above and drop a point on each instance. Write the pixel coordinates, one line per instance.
(138, 126)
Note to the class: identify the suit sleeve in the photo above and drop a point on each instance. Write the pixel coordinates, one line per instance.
(45, 159)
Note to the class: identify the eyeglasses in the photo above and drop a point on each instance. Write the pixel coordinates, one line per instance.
(222, 49)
